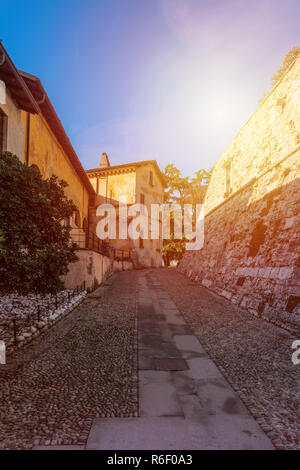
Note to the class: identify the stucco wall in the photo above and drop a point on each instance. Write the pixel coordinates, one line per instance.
(114, 186)
(15, 128)
(151, 253)
(46, 152)
(133, 185)
(92, 268)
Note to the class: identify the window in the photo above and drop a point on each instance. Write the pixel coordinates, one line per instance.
(3, 130)
(142, 198)
(151, 178)
(77, 219)
(228, 182)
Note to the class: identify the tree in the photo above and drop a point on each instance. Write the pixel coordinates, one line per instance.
(287, 61)
(182, 190)
(35, 247)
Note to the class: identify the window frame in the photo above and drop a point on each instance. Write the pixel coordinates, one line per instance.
(3, 130)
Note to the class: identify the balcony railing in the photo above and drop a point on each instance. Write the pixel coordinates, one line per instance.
(122, 255)
(85, 239)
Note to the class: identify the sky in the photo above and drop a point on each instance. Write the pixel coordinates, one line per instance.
(171, 80)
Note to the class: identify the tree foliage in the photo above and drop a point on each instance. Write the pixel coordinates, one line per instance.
(35, 247)
(182, 190)
(287, 61)
(289, 58)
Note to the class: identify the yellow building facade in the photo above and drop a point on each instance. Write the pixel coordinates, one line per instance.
(139, 182)
(48, 148)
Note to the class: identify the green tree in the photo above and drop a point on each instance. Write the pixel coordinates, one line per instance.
(182, 190)
(289, 58)
(35, 247)
(287, 61)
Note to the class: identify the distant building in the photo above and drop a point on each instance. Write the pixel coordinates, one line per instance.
(140, 182)
(31, 129)
(251, 254)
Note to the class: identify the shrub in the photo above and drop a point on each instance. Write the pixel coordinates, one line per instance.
(35, 247)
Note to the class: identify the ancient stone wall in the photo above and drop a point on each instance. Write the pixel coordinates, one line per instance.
(251, 253)
(272, 132)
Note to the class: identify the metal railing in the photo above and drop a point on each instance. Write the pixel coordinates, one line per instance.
(122, 255)
(13, 324)
(88, 240)
(85, 239)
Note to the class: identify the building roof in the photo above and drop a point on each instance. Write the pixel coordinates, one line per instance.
(38, 92)
(14, 82)
(127, 166)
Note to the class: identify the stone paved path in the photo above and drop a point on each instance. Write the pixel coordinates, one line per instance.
(184, 401)
(79, 380)
(253, 355)
(83, 368)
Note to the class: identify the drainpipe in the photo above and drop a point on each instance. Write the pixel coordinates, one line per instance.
(27, 140)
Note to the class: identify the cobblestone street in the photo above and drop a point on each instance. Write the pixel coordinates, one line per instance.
(254, 356)
(85, 367)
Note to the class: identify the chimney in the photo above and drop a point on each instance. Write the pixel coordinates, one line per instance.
(104, 161)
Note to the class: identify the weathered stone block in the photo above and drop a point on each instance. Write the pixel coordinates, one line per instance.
(206, 282)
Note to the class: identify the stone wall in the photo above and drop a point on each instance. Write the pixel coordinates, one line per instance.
(251, 254)
(272, 132)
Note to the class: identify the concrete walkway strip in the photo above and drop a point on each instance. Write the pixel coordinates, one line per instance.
(175, 433)
(185, 403)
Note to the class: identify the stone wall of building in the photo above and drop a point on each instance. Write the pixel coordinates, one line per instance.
(251, 252)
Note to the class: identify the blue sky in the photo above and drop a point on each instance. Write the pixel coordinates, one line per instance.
(171, 80)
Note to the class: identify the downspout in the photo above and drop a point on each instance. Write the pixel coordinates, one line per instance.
(27, 140)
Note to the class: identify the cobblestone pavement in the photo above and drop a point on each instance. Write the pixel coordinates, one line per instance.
(81, 369)
(254, 356)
